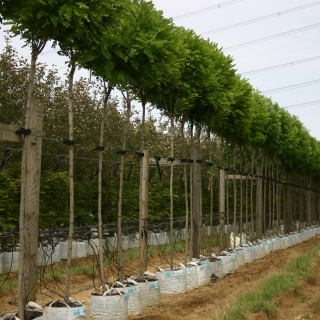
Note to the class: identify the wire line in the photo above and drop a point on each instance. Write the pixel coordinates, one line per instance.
(289, 64)
(294, 86)
(302, 105)
(269, 16)
(218, 6)
(275, 36)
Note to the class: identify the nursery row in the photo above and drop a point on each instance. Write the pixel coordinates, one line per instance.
(54, 249)
(131, 297)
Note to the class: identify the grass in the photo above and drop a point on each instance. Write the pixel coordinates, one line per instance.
(303, 267)
(8, 285)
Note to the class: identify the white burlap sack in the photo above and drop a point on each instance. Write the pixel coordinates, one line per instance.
(150, 294)
(134, 302)
(240, 257)
(192, 276)
(248, 254)
(259, 251)
(266, 244)
(65, 313)
(228, 264)
(205, 261)
(216, 268)
(113, 304)
(203, 271)
(172, 281)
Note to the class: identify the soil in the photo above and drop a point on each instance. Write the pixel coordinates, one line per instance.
(211, 299)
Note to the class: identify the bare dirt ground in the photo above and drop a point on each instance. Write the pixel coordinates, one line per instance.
(209, 300)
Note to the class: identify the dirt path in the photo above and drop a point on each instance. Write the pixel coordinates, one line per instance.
(209, 300)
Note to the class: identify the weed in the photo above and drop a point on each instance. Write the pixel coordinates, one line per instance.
(275, 285)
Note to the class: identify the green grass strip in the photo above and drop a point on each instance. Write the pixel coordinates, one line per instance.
(303, 267)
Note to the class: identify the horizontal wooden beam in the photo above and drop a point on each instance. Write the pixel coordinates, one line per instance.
(8, 134)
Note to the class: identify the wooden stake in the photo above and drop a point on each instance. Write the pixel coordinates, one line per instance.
(29, 207)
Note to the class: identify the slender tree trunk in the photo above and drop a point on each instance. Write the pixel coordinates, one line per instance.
(211, 193)
(273, 198)
(227, 190)
(185, 193)
(143, 199)
(196, 203)
(278, 199)
(199, 189)
(191, 193)
(171, 195)
(128, 99)
(259, 203)
(269, 200)
(251, 195)
(222, 208)
(71, 184)
(246, 200)
(264, 196)
(309, 208)
(234, 198)
(241, 199)
(101, 148)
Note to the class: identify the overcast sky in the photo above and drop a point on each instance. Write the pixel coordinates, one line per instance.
(287, 34)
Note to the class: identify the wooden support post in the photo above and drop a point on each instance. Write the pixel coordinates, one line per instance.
(222, 209)
(143, 216)
(196, 203)
(29, 205)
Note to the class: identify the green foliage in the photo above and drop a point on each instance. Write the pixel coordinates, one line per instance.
(10, 197)
(54, 185)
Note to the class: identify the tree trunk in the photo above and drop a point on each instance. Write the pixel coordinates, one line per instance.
(191, 193)
(196, 208)
(251, 195)
(211, 194)
(143, 197)
(234, 198)
(259, 203)
(222, 208)
(71, 184)
(241, 199)
(309, 207)
(264, 196)
(121, 172)
(100, 254)
(171, 196)
(247, 198)
(143, 215)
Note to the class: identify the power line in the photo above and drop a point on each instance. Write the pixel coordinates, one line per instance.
(275, 36)
(302, 105)
(289, 64)
(274, 15)
(294, 86)
(218, 6)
